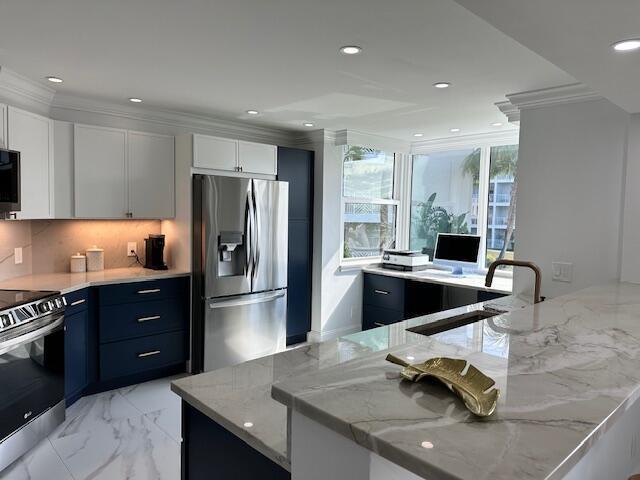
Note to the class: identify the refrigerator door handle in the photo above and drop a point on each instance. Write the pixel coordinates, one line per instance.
(256, 223)
(236, 302)
(248, 235)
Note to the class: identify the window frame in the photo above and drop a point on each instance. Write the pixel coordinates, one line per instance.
(394, 200)
(484, 143)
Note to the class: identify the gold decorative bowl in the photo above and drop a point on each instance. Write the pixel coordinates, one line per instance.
(473, 387)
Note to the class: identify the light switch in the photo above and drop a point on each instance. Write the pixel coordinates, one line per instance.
(17, 253)
(562, 272)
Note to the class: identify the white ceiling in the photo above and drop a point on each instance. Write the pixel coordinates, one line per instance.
(576, 35)
(280, 57)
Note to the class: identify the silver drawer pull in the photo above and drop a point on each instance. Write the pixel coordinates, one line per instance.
(148, 354)
(146, 319)
(381, 292)
(78, 302)
(378, 324)
(151, 290)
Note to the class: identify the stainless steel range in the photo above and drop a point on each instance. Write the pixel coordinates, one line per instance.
(31, 369)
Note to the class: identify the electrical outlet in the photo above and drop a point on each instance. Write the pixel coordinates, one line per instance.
(562, 272)
(17, 253)
(132, 249)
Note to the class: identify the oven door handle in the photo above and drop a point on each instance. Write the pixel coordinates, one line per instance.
(16, 342)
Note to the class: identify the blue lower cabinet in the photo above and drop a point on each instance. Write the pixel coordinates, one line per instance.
(75, 355)
(374, 317)
(121, 359)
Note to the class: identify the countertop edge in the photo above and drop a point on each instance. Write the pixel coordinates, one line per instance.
(252, 441)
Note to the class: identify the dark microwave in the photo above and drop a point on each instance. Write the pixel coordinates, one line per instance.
(9, 181)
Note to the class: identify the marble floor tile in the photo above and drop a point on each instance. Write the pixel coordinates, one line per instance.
(126, 448)
(41, 463)
(152, 396)
(169, 420)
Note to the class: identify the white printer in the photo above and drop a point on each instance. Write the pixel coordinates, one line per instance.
(407, 260)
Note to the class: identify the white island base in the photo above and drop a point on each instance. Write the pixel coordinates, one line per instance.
(318, 453)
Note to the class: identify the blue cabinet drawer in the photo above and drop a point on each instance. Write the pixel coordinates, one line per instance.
(119, 359)
(144, 291)
(121, 322)
(385, 292)
(374, 317)
(77, 301)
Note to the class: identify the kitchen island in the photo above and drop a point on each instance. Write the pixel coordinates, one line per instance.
(569, 379)
(234, 404)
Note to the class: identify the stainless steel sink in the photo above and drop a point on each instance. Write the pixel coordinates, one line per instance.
(453, 322)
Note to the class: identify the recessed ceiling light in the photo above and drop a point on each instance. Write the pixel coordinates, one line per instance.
(627, 45)
(308, 124)
(496, 124)
(427, 445)
(135, 100)
(442, 84)
(411, 358)
(454, 130)
(248, 424)
(418, 134)
(54, 79)
(350, 49)
(253, 112)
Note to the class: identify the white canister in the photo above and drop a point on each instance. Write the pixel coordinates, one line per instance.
(95, 259)
(78, 263)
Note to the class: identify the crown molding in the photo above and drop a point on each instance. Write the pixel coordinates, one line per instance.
(466, 141)
(63, 104)
(362, 139)
(510, 111)
(21, 91)
(573, 93)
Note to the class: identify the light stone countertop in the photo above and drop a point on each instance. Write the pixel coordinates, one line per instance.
(70, 282)
(234, 395)
(444, 277)
(567, 369)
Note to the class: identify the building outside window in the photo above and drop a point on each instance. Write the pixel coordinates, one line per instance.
(369, 206)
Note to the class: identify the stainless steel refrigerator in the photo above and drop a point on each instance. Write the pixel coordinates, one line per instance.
(240, 269)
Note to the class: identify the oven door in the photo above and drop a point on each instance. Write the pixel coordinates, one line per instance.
(31, 373)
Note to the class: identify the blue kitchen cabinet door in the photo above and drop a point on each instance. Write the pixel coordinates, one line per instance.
(75, 355)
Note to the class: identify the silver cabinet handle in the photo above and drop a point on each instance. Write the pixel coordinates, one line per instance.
(146, 319)
(148, 354)
(151, 290)
(378, 324)
(381, 292)
(78, 302)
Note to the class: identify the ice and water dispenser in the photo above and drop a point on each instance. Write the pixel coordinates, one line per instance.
(231, 254)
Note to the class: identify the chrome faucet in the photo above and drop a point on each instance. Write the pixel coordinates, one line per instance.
(517, 263)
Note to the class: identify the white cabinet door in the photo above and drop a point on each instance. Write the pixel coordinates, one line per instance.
(100, 172)
(3, 126)
(32, 135)
(151, 175)
(215, 153)
(257, 158)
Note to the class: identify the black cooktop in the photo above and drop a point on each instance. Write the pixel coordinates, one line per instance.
(15, 298)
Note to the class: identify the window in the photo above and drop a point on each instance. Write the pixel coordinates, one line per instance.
(370, 207)
(444, 196)
(469, 191)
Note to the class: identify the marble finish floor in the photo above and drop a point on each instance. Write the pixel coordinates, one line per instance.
(131, 433)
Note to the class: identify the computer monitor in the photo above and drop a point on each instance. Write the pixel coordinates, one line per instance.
(457, 251)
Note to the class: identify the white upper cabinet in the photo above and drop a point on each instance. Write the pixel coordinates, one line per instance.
(215, 153)
(32, 136)
(257, 158)
(3, 126)
(151, 175)
(100, 156)
(227, 155)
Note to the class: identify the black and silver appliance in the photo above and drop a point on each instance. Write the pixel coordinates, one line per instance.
(9, 182)
(31, 369)
(154, 252)
(239, 269)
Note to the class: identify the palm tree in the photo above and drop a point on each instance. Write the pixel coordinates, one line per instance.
(504, 160)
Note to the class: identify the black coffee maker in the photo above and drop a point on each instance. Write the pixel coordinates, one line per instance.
(154, 252)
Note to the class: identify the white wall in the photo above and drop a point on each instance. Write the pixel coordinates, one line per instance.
(570, 188)
(631, 229)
